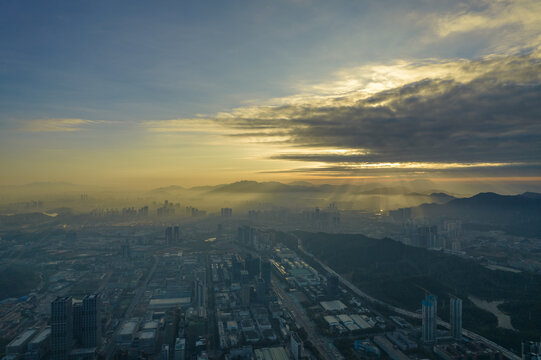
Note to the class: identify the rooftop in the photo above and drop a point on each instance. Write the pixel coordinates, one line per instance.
(41, 336)
(334, 305)
(128, 327)
(23, 338)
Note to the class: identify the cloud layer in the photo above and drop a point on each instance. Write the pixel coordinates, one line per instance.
(429, 116)
(58, 125)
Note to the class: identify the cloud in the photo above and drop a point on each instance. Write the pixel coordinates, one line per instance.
(432, 116)
(512, 24)
(416, 117)
(58, 125)
(183, 126)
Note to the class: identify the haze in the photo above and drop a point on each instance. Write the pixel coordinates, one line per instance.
(270, 180)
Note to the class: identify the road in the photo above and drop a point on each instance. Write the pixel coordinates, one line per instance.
(470, 334)
(320, 343)
(110, 347)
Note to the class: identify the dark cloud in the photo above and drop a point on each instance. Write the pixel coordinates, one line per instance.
(494, 117)
(533, 170)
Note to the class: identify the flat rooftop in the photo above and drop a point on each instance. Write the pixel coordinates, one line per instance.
(41, 336)
(162, 303)
(334, 305)
(23, 338)
(128, 327)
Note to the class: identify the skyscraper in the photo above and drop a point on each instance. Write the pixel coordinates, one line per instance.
(236, 267)
(168, 235)
(91, 321)
(456, 318)
(427, 236)
(266, 272)
(430, 311)
(246, 295)
(261, 291)
(226, 212)
(61, 328)
(199, 293)
(176, 234)
(77, 314)
(252, 265)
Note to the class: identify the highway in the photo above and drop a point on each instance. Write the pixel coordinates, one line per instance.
(320, 343)
(508, 354)
(110, 347)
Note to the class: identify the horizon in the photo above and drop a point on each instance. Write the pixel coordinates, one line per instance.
(472, 186)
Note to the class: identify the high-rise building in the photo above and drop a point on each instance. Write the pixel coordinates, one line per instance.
(246, 294)
(199, 293)
(91, 321)
(126, 250)
(77, 322)
(261, 291)
(266, 272)
(246, 235)
(168, 235)
(176, 234)
(427, 236)
(61, 327)
(430, 311)
(236, 267)
(143, 211)
(456, 318)
(252, 265)
(226, 212)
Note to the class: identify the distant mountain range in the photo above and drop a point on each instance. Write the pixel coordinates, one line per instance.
(491, 202)
(254, 187)
(518, 214)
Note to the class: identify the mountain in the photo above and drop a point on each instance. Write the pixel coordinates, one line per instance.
(532, 195)
(167, 190)
(401, 275)
(255, 187)
(262, 187)
(487, 202)
(517, 214)
(441, 197)
(399, 190)
(497, 202)
(300, 183)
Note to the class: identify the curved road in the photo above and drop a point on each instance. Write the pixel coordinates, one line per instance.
(320, 343)
(508, 354)
(109, 348)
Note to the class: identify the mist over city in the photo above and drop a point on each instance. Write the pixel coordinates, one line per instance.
(249, 180)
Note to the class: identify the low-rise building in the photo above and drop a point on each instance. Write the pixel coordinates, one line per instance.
(18, 345)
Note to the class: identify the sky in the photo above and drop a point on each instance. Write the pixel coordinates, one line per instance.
(157, 93)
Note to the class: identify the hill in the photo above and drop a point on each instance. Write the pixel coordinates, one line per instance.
(400, 275)
(515, 214)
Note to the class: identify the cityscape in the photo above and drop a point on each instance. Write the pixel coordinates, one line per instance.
(149, 283)
(270, 180)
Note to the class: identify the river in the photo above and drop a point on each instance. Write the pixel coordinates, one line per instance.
(504, 320)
